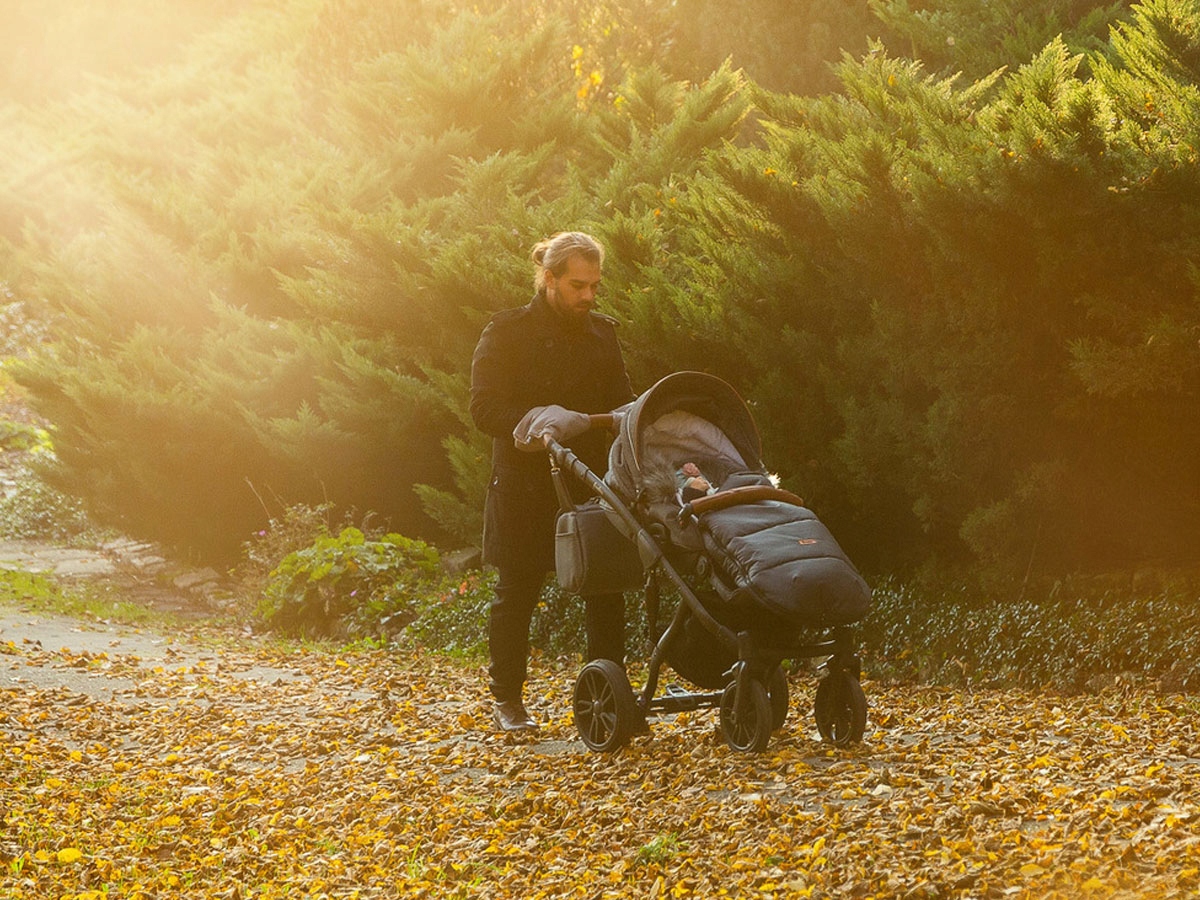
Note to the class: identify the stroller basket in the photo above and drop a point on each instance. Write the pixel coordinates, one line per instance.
(760, 578)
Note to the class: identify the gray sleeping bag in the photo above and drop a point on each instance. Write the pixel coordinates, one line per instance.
(783, 559)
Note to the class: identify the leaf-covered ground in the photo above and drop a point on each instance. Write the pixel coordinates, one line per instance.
(376, 774)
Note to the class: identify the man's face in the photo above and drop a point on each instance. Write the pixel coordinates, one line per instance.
(573, 293)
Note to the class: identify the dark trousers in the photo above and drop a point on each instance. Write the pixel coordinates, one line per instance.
(508, 629)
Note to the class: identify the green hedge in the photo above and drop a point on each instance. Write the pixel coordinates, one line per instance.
(1071, 635)
(964, 312)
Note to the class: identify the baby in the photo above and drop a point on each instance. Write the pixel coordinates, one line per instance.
(691, 483)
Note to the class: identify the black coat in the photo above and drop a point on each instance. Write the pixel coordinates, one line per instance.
(527, 357)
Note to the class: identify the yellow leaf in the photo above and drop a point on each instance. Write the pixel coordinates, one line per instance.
(69, 855)
(1032, 869)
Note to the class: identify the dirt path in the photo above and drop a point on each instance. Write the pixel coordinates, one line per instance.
(96, 659)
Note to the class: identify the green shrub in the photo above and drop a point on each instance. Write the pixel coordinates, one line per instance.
(34, 510)
(1071, 635)
(348, 583)
(455, 618)
(293, 529)
(23, 436)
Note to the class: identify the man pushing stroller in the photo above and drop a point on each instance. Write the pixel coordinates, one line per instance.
(540, 369)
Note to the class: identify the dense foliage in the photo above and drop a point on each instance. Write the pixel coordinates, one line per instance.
(964, 310)
(1072, 636)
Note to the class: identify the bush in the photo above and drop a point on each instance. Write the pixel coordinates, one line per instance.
(305, 580)
(455, 620)
(1073, 635)
(349, 583)
(34, 510)
(293, 529)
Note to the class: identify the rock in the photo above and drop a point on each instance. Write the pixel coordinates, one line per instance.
(190, 581)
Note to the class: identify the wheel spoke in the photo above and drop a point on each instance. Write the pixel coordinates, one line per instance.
(604, 706)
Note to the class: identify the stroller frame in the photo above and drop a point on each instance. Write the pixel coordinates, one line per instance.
(754, 701)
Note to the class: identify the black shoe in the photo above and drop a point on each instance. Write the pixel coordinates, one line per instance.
(510, 715)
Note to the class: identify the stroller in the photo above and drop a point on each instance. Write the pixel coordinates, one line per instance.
(760, 580)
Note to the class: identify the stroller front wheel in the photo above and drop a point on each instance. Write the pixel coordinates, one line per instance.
(747, 725)
(605, 710)
(840, 708)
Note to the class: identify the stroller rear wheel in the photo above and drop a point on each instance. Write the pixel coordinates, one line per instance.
(606, 713)
(840, 708)
(747, 725)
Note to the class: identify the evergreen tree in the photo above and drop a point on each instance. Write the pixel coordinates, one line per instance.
(976, 37)
(782, 45)
(963, 309)
(910, 279)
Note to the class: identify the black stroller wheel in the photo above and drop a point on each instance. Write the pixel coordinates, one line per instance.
(605, 710)
(777, 692)
(840, 708)
(746, 725)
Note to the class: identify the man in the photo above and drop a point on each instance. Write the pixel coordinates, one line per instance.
(556, 354)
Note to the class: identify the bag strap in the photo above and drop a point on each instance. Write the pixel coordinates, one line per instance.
(565, 503)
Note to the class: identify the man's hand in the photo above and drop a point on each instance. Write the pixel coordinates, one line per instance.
(548, 421)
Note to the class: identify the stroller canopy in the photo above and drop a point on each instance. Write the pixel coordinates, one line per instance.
(683, 415)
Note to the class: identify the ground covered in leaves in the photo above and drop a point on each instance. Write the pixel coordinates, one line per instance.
(254, 772)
